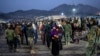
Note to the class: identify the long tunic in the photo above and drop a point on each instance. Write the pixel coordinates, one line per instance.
(55, 42)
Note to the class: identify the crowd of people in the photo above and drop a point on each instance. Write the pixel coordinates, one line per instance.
(53, 31)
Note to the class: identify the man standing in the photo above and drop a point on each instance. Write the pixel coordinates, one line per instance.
(68, 32)
(10, 36)
(47, 33)
(18, 33)
(30, 35)
(24, 29)
(34, 25)
(92, 39)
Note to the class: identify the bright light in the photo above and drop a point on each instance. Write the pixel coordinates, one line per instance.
(62, 13)
(73, 9)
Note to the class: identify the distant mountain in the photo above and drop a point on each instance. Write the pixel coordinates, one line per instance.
(30, 13)
(65, 8)
(80, 9)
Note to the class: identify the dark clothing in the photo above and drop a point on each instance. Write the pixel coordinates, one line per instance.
(48, 36)
(30, 32)
(89, 25)
(24, 29)
(55, 47)
(36, 37)
(12, 44)
(55, 42)
(73, 30)
(60, 45)
(60, 38)
(48, 40)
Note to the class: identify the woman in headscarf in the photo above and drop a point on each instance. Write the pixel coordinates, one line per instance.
(55, 40)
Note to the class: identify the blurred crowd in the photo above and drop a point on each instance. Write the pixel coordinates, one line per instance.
(54, 31)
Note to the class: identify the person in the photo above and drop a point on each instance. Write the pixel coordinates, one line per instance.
(18, 34)
(55, 41)
(63, 24)
(98, 35)
(89, 24)
(47, 33)
(68, 32)
(24, 29)
(10, 36)
(34, 25)
(76, 36)
(84, 32)
(42, 33)
(30, 35)
(60, 38)
(75, 27)
(91, 50)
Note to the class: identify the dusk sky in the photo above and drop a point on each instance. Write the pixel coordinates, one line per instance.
(13, 5)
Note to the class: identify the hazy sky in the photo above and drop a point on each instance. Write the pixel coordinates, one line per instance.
(13, 5)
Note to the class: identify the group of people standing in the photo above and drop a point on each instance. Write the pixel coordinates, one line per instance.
(19, 33)
(53, 32)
